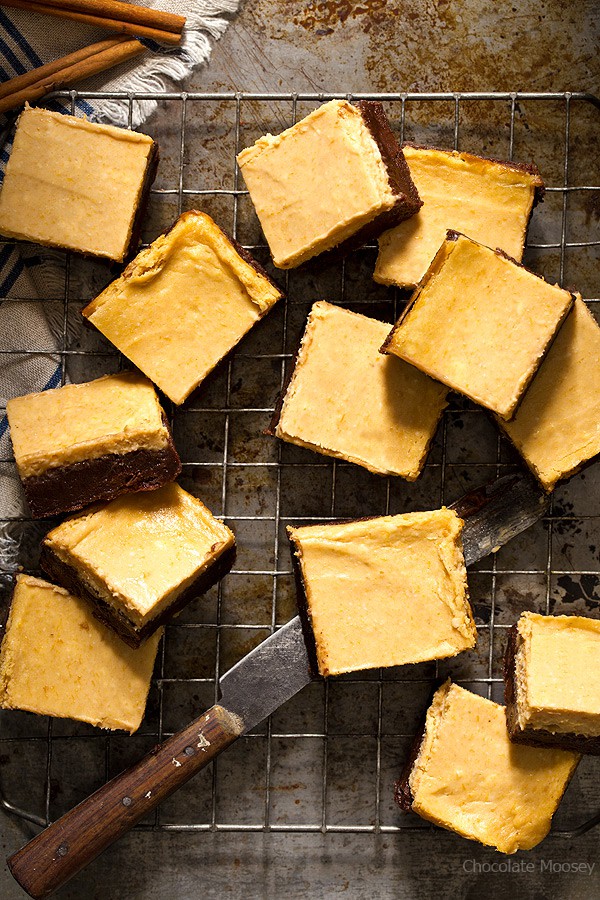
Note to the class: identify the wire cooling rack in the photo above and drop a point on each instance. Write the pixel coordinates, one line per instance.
(327, 760)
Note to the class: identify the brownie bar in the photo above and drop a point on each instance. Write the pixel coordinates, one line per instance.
(71, 487)
(533, 736)
(140, 213)
(439, 257)
(241, 251)
(434, 266)
(66, 576)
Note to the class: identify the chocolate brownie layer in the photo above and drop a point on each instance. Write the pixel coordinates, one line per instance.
(270, 430)
(68, 488)
(402, 792)
(67, 577)
(391, 153)
(408, 202)
(302, 603)
(533, 736)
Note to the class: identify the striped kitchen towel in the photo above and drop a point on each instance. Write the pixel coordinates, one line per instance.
(28, 39)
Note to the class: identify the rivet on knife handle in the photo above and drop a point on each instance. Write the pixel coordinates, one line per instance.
(58, 853)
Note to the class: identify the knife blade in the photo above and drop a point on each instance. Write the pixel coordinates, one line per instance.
(251, 690)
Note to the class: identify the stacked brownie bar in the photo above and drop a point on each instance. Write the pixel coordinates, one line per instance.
(86, 442)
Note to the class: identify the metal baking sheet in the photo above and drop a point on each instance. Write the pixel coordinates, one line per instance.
(326, 762)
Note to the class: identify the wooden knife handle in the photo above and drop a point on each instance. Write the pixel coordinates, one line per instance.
(65, 847)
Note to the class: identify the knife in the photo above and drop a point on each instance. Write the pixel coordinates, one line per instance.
(251, 690)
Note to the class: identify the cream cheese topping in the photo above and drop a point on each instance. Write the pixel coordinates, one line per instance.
(489, 201)
(183, 304)
(141, 551)
(73, 184)
(346, 399)
(115, 414)
(469, 778)
(557, 668)
(557, 425)
(317, 183)
(480, 324)
(385, 591)
(56, 659)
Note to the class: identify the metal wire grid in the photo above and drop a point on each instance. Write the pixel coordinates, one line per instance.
(319, 821)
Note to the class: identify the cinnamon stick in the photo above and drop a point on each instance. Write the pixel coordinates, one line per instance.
(114, 15)
(125, 12)
(76, 66)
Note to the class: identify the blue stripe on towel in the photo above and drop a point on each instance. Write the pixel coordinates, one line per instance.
(54, 380)
(5, 254)
(20, 40)
(13, 60)
(64, 106)
(85, 107)
(10, 278)
(19, 67)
